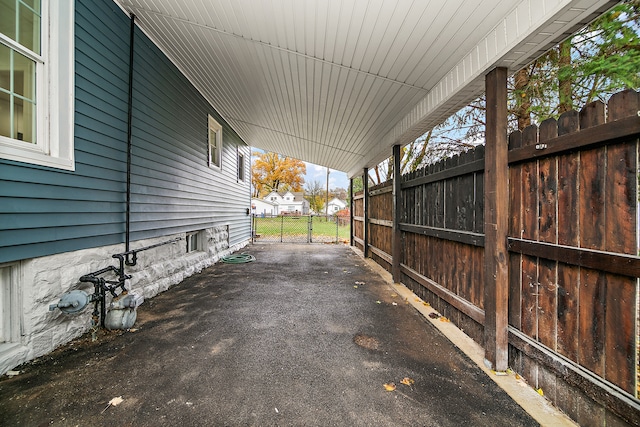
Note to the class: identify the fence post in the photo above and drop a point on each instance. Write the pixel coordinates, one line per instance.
(281, 228)
(396, 242)
(310, 229)
(496, 213)
(365, 201)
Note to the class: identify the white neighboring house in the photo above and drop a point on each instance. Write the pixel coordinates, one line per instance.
(263, 207)
(335, 205)
(281, 203)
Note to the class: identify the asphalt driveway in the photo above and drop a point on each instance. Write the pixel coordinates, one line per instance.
(306, 335)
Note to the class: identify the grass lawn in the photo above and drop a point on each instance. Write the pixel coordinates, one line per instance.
(294, 225)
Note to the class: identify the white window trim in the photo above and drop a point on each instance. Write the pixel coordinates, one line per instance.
(200, 237)
(241, 166)
(217, 129)
(55, 94)
(13, 307)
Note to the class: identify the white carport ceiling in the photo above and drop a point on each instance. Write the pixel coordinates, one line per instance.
(339, 82)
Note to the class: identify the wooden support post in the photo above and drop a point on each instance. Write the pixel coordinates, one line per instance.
(365, 201)
(496, 213)
(396, 243)
(351, 206)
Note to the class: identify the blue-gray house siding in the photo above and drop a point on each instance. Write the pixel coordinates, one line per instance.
(45, 211)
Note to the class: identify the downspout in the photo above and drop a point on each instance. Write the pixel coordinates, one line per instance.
(129, 133)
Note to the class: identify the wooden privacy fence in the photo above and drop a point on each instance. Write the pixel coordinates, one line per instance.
(573, 253)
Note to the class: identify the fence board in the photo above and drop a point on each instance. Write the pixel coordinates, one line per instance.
(592, 283)
(479, 192)
(568, 275)
(620, 332)
(529, 231)
(567, 310)
(451, 196)
(547, 302)
(466, 185)
(547, 226)
(515, 225)
(620, 200)
(547, 175)
(592, 317)
(439, 199)
(592, 183)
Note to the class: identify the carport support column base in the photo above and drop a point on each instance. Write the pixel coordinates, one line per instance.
(496, 212)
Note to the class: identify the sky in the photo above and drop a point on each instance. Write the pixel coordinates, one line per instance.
(319, 173)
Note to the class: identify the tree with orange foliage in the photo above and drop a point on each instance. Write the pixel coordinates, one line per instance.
(270, 172)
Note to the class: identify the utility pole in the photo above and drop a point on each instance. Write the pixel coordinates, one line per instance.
(326, 206)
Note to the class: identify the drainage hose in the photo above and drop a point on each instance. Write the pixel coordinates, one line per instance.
(238, 258)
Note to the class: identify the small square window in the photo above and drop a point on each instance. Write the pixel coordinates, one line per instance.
(194, 241)
(215, 143)
(240, 166)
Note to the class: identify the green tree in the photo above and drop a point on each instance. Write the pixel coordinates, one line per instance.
(596, 62)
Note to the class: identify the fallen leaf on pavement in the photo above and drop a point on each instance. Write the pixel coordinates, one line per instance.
(444, 319)
(389, 386)
(116, 401)
(434, 315)
(113, 402)
(408, 381)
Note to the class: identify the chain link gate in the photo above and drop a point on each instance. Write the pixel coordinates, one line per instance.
(299, 229)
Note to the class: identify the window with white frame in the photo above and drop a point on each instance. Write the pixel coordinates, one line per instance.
(215, 143)
(37, 82)
(9, 305)
(240, 166)
(195, 241)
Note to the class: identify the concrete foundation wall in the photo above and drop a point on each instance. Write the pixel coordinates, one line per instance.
(40, 282)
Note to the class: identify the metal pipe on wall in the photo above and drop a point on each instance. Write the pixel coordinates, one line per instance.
(129, 135)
